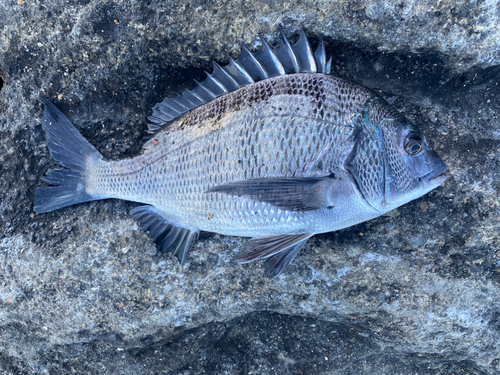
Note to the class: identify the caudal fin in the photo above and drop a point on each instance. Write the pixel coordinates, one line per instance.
(68, 147)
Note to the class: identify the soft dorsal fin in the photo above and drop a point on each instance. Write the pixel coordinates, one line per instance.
(248, 68)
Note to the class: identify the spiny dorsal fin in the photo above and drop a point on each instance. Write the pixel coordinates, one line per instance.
(248, 68)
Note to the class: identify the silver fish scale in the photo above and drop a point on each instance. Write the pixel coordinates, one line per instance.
(286, 126)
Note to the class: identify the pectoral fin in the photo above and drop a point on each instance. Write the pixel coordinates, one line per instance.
(279, 251)
(289, 193)
(167, 236)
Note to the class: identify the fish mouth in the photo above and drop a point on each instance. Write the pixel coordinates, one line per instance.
(435, 177)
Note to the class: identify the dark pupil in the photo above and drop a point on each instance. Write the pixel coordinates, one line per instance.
(414, 146)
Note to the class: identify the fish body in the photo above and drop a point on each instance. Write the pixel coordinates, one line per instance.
(278, 135)
(269, 147)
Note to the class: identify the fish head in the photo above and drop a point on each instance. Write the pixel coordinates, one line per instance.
(412, 167)
(393, 162)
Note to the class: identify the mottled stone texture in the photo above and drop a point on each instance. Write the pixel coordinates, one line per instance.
(82, 290)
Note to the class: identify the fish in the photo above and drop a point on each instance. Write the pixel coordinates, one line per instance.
(270, 146)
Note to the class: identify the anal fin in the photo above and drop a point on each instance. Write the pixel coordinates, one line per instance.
(279, 251)
(167, 236)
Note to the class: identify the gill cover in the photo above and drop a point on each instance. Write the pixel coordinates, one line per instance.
(366, 162)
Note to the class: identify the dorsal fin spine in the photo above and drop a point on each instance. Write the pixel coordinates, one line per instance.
(167, 107)
(229, 80)
(270, 61)
(176, 106)
(204, 89)
(247, 60)
(320, 57)
(328, 68)
(182, 101)
(304, 54)
(217, 83)
(248, 80)
(217, 87)
(286, 55)
(198, 101)
(193, 100)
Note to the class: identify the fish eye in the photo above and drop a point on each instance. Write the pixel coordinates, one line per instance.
(413, 144)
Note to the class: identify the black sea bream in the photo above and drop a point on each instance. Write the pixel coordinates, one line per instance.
(269, 146)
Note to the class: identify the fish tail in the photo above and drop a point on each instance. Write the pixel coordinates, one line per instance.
(72, 151)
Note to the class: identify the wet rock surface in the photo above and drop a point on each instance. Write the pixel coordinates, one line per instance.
(82, 290)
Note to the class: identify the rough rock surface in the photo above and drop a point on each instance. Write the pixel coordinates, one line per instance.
(83, 291)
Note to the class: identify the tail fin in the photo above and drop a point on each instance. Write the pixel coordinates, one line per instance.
(68, 147)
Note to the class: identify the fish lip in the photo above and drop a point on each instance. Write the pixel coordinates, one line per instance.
(435, 177)
(437, 180)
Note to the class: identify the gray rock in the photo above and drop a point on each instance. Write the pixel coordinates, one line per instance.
(82, 290)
